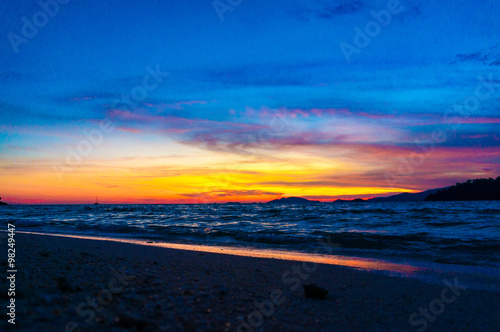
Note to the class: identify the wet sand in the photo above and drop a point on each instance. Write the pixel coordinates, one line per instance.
(69, 284)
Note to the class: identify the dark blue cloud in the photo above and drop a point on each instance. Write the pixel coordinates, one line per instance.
(489, 56)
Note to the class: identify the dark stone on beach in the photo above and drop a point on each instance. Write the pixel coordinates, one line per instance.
(45, 253)
(314, 292)
(64, 285)
(138, 323)
(223, 290)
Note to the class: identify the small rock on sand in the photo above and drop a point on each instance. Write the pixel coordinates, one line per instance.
(314, 292)
(64, 284)
(138, 323)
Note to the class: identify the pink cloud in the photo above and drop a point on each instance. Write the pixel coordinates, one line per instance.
(456, 119)
(129, 130)
(306, 113)
(473, 136)
(481, 120)
(177, 124)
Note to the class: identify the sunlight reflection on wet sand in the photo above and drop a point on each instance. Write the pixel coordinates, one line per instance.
(365, 264)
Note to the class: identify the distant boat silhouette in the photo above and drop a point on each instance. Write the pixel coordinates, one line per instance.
(96, 201)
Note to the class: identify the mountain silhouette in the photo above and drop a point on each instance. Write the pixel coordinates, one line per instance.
(292, 200)
(472, 190)
(405, 197)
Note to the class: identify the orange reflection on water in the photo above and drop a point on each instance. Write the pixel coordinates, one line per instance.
(365, 264)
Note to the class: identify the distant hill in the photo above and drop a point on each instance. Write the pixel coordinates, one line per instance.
(405, 197)
(2, 203)
(292, 200)
(472, 190)
(357, 200)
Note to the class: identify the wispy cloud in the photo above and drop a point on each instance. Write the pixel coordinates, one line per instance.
(179, 105)
(322, 9)
(331, 9)
(489, 56)
(220, 193)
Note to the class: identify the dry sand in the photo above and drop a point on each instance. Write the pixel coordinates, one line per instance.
(67, 284)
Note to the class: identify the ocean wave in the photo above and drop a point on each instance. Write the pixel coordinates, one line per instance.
(428, 229)
(353, 210)
(271, 238)
(447, 223)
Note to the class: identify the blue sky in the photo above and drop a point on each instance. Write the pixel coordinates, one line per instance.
(228, 77)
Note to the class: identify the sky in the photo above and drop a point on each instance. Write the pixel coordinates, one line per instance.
(207, 101)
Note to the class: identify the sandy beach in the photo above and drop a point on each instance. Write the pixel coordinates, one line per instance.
(68, 284)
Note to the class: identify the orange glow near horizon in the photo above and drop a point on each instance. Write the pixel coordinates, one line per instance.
(163, 180)
(191, 175)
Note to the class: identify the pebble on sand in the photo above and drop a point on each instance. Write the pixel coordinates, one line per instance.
(314, 292)
(64, 285)
(139, 323)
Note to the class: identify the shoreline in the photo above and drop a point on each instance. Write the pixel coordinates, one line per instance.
(407, 233)
(166, 289)
(477, 277)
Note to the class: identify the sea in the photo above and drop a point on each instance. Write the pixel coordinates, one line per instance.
(459, 233)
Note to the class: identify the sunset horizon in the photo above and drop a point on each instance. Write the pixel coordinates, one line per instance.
(233, 113)
(237, 165)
